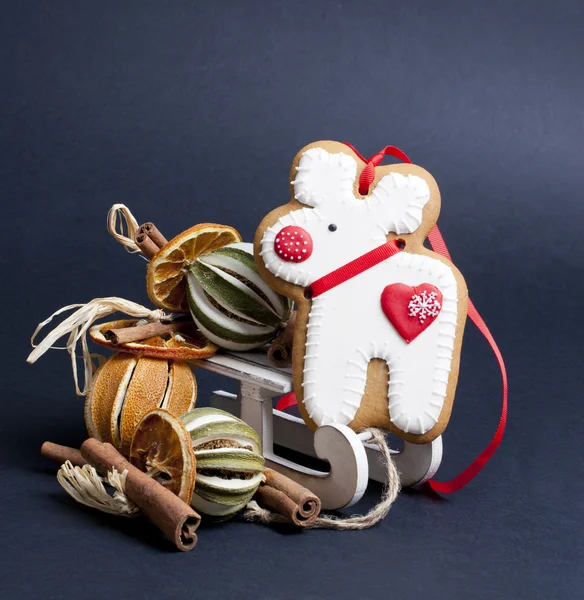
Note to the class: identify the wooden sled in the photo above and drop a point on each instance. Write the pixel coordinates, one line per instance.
(352, 460)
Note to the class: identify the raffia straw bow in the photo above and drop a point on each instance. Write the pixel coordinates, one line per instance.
(85, 486)
(120, 215)
(77, 325)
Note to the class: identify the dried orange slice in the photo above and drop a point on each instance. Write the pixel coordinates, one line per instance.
(166, 278)
(162, 448)
(188, 344)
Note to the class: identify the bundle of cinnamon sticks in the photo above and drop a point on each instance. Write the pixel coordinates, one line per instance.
(284, 496)
(280, 352)
(139, 331)
(149, 239)
(176, 519)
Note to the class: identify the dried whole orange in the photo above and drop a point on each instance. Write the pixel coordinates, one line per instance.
(230, 464)
(167, 271)
(127, 386)
(162, 447)
(188, 344)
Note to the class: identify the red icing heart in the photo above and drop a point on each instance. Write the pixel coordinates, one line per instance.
(293, 244)
(411, 309)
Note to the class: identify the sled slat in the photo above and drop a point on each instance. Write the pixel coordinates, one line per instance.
(249, 367)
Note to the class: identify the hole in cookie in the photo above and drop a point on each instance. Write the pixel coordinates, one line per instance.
(308, 293)
(401, 244)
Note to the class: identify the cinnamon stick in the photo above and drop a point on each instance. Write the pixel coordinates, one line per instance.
(288, 498)
(150, 230)
(168, 512)
(146, 245)
(125, 335)
(280, 352)
(61, 454)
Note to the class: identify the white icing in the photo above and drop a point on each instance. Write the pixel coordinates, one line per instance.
(347, 327)
(424, 305)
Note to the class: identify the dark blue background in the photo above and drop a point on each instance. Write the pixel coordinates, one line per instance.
(192, 112)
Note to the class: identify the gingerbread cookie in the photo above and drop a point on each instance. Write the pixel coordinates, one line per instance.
(380, 317)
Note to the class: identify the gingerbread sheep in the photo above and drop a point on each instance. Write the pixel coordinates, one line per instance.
(380, 317)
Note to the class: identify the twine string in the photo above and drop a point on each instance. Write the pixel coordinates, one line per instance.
(254, 512)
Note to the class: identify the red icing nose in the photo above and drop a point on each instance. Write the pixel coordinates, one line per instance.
(293, 244)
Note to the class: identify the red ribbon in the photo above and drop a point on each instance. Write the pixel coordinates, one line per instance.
(439, 246)
(447, 487)
(287, 401)
(353, 268)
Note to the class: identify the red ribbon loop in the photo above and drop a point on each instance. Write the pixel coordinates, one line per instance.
(368, 173)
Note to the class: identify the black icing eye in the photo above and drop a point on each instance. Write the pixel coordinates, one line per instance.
(332, 227)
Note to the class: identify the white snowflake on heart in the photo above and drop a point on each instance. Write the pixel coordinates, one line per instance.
(424, 305)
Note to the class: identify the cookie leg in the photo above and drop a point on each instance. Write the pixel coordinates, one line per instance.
(418, 387)
(355, 374)
(334, 372)
(334, 398)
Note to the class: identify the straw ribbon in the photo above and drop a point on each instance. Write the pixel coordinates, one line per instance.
(121, 216)
(85, 486)
(77, 325)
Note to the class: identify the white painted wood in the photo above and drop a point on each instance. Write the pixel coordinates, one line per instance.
(249, 367)
(343, 485)
(352, 459)
(417, 463)
(226, 401)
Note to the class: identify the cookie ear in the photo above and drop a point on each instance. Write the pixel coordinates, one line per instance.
(322, 177)
(399, 200)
